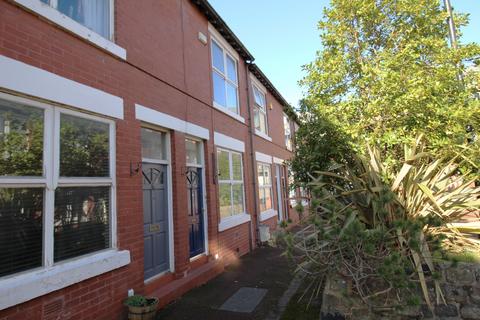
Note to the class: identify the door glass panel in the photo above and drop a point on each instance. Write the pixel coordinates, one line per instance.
(153, 144)
(21, 228)
(21, 140)
(84, 147)
(81, 221)
(193, 151)
(225, 200)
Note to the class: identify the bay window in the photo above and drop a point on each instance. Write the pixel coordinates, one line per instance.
(264, 176)
(56, 185)
(230, 181)
(260, 111)
(225, 79)
(93, 14)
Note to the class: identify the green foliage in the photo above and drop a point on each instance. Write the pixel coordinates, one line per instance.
(136, 301)
(383, 230)
(385, 74)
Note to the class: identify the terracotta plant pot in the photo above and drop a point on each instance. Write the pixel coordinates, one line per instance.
(143, 313)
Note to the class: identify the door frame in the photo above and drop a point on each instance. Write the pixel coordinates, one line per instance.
(168, 163)
(204, 193)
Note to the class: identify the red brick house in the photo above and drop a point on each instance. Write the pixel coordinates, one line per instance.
(140, 148)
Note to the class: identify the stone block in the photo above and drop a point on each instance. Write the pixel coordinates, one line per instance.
(449, 310)
(470, 312)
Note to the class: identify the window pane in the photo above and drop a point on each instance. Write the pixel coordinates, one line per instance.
(153, 144)
(261, 198)
(21, 140)
(223, 164)
(262, 123)
(84, 147)
(268, 199)
(193, 151)
(260, 175)
(81, 224)
(238, 198)
(231, 69)
(225, 199)
(217, 57)
(219, 89)
(266, 174)
(237, 167)
(256, 118)
(93, 14)
(21, 229)
(259, 98)
(232, 98)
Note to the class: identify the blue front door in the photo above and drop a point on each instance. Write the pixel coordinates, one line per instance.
(155, 219)
(195, 211)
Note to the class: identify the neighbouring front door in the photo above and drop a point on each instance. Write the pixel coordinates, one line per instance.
(195, 211)
(155, 219)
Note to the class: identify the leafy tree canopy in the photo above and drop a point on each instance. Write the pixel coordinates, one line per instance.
(386, 73)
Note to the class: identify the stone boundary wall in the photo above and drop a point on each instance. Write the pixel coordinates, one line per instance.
(460, 285)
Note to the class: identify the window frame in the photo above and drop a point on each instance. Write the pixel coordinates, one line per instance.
(225, 53)
(287, 136)
(51, 13)
(261, 109)
(265, 186)
(51, 179)
(231, 181)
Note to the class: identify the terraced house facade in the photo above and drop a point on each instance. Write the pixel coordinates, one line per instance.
(141, 148)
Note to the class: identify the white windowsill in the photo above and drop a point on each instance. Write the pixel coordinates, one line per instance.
(233, 221)
(268, 214)
(28, 285)
(263, 135)
(229, 113)
(71, 25)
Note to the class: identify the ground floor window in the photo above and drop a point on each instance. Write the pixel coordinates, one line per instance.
(264, 175)
(56, 184)
(230, 181)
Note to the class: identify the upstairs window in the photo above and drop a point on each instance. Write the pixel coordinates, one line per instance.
(93, 14)
(288, 132)
(225, 80)
(260, 111)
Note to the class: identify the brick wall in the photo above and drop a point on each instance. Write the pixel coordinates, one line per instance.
(169, 70)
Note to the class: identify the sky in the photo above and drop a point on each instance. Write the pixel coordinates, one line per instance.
(282, 35)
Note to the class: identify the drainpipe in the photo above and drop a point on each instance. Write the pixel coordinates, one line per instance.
(252, 157)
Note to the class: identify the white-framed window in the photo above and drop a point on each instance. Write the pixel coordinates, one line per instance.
(264, 175)
(225, 78)
(260, 110)
(288, 132)
(96, 15)
(230, 183)
(57, 185)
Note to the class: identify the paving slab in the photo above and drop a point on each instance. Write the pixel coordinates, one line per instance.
(244, 300)
(266, 268)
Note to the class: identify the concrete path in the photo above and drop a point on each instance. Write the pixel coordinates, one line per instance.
(265, 269)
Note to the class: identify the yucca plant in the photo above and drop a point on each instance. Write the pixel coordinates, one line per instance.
(386, 232)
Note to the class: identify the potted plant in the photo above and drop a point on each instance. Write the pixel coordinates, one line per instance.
(141, 308)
